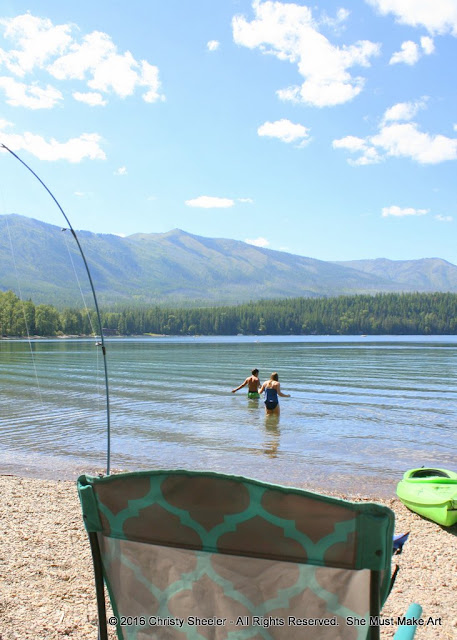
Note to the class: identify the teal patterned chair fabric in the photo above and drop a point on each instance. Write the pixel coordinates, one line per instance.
(205, 556)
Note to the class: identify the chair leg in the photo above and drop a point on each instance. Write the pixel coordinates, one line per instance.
(375, 603)
(99, 586)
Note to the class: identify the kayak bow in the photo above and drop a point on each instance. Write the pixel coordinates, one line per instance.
(431, 493)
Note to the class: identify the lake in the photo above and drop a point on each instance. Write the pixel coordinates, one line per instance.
(362, 411)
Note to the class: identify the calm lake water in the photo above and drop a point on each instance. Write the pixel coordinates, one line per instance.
(362, 411)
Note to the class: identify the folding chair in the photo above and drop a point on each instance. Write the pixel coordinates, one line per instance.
(207, 556)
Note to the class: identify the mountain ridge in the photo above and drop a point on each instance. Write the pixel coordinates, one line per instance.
(180, 268)
(432, 269)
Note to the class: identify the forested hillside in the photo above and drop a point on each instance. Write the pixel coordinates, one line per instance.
(419, 314)
(179, 269)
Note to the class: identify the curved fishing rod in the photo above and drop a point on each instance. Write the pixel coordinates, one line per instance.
(108, 445)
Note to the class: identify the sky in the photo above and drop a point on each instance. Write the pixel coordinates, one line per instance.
(324, 129)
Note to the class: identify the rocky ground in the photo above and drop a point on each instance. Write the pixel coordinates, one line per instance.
(46, 581)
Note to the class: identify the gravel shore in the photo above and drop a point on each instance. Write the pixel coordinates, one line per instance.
(46, 580)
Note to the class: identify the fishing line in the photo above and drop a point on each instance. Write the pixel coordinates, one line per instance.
(23, 311)
(93, 332)
(79, 283)
(102, 341)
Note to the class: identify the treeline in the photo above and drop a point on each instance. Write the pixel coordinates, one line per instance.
(393, 313)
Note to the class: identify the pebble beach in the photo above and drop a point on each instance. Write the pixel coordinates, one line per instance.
(46, 580)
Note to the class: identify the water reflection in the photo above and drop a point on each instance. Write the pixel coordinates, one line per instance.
(272, 435)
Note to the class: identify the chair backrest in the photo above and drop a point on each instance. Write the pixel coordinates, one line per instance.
(202, 555)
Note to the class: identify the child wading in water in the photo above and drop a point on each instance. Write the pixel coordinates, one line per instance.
(272, 390)
(253, 383)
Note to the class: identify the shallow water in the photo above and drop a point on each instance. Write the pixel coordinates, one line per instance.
(362, 411)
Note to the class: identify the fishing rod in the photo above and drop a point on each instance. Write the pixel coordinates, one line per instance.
(102, 341)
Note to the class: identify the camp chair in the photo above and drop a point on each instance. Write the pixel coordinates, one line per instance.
(206, 556)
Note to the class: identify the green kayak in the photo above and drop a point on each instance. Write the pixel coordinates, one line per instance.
(431, 493)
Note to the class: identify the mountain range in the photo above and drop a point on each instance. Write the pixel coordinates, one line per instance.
(178, 268)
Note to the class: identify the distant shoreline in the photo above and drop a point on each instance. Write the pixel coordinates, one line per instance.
(229, 335)
(83, 337)
(361, 314)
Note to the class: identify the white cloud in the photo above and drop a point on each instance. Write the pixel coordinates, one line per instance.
(351, 143)
(37, 40)
(405, 140)
(438, 17)
(442, 218)
(210, 202)
(246, 200)
(107, 70)
(79, 194)
(369, 155)
(258, 242)
(115, 73)
(91, 98)
(213, 45)
(427, 44)
(285, 130)
(5, 123)
(149, 78)
(409, 54)
(93, 59)
(342, 15)
(398, 212)
(404, 110)
(288, 31)
(400, 139)
(335, 23)
(81, 58)
(19, 94)
(122, 171)
(74, 150)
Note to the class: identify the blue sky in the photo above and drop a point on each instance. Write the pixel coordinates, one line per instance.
(327, 129)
